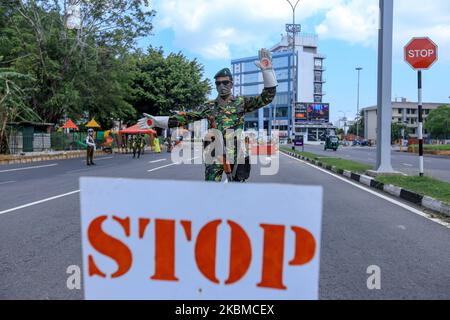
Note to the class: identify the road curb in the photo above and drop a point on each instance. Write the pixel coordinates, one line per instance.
(63, 156)
(410, 196)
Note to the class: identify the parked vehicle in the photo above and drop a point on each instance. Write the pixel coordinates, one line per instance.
(332, 143)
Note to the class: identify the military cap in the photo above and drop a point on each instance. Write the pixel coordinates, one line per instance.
(224, 73)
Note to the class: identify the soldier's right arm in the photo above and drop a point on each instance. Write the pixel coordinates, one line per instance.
(184, 118)
(177, 120)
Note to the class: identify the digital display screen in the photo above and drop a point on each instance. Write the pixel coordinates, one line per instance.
(312, 112)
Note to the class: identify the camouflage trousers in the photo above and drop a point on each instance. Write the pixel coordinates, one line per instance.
(213, 172)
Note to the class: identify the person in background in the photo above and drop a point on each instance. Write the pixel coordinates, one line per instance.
(90, 148)
(134, 145)
(142, 144)
(157, 147)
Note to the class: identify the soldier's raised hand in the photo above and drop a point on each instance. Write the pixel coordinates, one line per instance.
(265, 60)
(266, 66)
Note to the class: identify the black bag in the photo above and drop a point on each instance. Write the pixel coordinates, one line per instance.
(241, 172)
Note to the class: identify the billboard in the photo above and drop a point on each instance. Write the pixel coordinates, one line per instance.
(312, 112)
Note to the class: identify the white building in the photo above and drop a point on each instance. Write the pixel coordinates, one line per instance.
(403, 112)
(280, 114)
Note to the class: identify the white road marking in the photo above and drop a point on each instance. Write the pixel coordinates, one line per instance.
(169, 165)
(6, 182)
(39, 202)
(156, 161)
(30, 168)
(407, 164)
(66, 194)
(398, 203)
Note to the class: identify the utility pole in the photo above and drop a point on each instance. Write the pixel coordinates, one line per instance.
(384, 103)
(357, 104)
(294, 29)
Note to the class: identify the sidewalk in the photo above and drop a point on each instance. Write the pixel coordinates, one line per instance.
(43, 156)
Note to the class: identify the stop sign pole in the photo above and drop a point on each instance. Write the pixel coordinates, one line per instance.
(421, 54)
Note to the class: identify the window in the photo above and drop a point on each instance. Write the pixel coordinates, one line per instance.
(252, 77)
(266, 112)
(249, 66)
(280, 62)
(282, 74)
(318, 88)
(282, 87)
(237, 68)
(253, 114)
(237, 80)
(282, 112)
(318, 99)
(251, 90)
(317, 76)
(318, 63)
(281, 99)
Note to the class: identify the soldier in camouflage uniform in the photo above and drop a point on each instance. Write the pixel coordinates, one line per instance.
(225, 112)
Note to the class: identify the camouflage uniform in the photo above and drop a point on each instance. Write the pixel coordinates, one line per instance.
(224, 115)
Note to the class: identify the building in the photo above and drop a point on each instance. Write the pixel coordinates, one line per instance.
(403, 112)
(280, 115)
(27, 136)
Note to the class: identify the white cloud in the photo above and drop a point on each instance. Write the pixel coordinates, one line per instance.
(217, 29)
(356, 21)
(353, 21)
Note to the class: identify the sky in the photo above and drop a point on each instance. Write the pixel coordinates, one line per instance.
(215, 32)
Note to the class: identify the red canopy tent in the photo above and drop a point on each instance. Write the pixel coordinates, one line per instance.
(70, 125)
(133, 130)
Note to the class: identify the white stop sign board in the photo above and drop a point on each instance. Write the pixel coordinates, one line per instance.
(174, 240)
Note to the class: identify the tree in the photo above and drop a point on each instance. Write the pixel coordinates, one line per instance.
(396, 131)
(164, 84)
(12, 106)
(77, 72)
(352, 129)
(438, 122)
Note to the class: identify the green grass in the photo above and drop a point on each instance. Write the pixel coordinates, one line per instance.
(347, 164)
(436, 189)
(443, 147)
(337, 162)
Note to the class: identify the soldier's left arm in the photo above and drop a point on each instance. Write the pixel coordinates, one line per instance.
(254, 103)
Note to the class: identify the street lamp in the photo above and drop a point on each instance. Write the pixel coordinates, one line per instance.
(294, 29)
(357, 105)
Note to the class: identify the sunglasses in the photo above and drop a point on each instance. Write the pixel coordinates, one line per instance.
(225, 83)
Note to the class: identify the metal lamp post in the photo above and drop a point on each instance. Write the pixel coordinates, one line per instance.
(357, 105)
(293, 29)
(384, 99)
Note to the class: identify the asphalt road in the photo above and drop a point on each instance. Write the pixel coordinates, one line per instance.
(38, 242)
(435, 166)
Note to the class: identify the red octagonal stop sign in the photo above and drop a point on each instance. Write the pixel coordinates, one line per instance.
(421, 53)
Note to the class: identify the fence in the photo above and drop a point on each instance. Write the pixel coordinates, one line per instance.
(19, 142)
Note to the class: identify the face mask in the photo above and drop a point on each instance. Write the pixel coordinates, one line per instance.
(224, 88)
